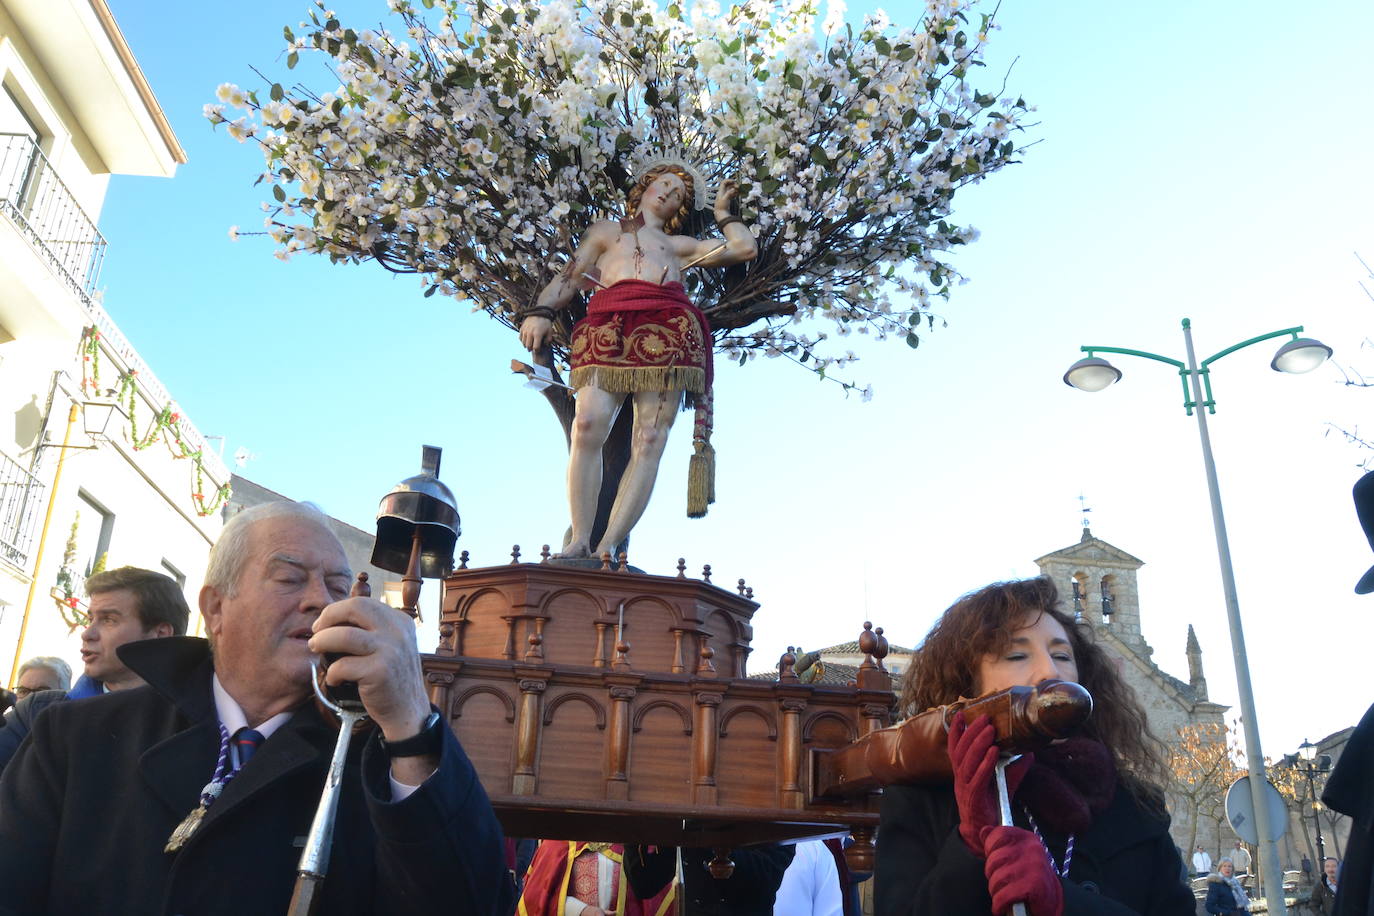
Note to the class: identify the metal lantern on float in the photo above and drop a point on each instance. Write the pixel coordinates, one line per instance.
(417, 528)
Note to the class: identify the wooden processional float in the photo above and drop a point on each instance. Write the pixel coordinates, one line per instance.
(604, 704)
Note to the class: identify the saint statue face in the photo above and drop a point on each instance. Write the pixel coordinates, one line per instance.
(664, 196)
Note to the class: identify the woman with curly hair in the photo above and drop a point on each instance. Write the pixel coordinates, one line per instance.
(1091, 835)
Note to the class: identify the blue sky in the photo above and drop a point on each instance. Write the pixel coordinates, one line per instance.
(1209, 162)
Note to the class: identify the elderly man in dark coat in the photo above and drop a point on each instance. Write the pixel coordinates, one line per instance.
(89, 804)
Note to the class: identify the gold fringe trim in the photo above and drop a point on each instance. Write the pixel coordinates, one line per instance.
(701, 479)
(629, 379)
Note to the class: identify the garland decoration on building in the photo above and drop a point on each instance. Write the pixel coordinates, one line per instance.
(166, 425)
(165, 421)
(89, 349)
(69, 604)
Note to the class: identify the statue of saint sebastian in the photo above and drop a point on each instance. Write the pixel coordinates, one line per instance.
(642, 337)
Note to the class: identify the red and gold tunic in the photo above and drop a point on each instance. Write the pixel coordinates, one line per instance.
(642, 336)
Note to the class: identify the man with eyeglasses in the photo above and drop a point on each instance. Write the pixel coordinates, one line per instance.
(45, 672)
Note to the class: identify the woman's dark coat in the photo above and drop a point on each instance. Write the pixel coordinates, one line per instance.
(1221, 899)
(1125, 863)
(1350, 790)
(89, 802)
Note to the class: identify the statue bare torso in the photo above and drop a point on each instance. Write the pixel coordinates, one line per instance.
(639, 247)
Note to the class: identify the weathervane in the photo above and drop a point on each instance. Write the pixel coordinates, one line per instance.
(1083, 508)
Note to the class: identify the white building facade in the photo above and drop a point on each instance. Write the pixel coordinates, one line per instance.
(146, 491)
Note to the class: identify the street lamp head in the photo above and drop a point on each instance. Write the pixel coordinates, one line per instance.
(1091, 373)
(1302, 354)
(1307, 750)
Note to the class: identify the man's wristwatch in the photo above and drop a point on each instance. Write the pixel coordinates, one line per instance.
(430, 740)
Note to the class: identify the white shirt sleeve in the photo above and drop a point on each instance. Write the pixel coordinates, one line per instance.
(811, 884)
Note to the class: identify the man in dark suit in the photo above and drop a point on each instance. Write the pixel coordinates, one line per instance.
(232, 746)
(126, 604)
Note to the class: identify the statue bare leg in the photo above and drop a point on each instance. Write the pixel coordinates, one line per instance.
(596, 410)
(654, 415)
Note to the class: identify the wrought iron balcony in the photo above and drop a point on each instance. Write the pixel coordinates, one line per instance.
(35, 198)
(21, 499)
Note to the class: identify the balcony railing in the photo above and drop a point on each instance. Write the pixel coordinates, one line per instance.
(44, 209)
(21, 499)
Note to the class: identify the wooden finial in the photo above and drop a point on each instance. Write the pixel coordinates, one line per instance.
(624, 566)
(622, 656)
(515, 555)
(463, 560)
(544, 554)
(360, 588)
(706, 668)
(787, 666)
(880, 651)
(868, 642)
(535, 653)
(606, 560)
(681, 568)
(706, 573)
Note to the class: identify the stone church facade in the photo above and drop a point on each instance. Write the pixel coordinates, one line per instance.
(1108, 598)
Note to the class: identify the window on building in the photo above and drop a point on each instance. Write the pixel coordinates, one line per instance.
(13, 120)
(19, 140)
(94, 526)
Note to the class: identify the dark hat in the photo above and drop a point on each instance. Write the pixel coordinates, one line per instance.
(1364, 508)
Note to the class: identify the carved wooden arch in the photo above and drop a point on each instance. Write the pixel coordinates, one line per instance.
(642, 711)
(675, 619)
(755, 710)
(456, 707)
(558, 701)
(477, 596)
(582, 592)
(809, 729)
(732, 634)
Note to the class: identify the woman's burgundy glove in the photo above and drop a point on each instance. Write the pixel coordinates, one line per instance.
(1019, 872)
(973, 754)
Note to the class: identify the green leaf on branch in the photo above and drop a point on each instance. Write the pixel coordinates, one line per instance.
(912, 340)
(291, 60)
(278, 193)
(277, 93)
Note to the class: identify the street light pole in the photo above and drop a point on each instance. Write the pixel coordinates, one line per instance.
(1254, 758)
(1311, 763)
(1296, 356)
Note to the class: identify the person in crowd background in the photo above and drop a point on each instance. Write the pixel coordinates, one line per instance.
(126, 604)
(1202, 862)
(1225, 895)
